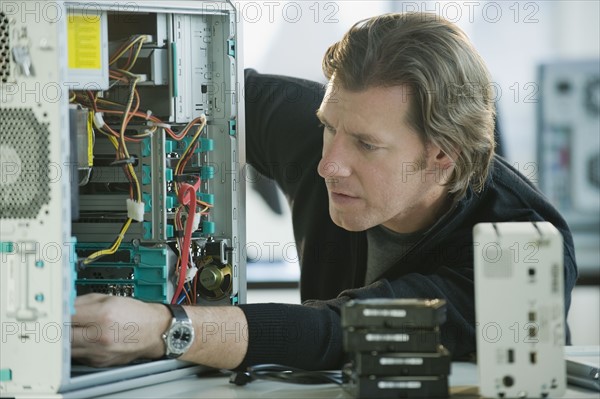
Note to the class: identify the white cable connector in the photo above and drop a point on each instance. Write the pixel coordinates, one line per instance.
(197, 218)
(99, 120)
(158, 124)
(135, 210)
(191, 273)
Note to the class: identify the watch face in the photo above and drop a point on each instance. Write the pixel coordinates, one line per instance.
(180, 337)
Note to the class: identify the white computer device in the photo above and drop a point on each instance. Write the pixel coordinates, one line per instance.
(121, 159)
(519, 303)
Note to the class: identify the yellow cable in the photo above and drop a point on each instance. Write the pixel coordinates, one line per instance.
(117, 243)
(136, 181)
(178, 167)
(113, 248)
(90, 134)
(137, 53)
(116, 57)
(131, 170)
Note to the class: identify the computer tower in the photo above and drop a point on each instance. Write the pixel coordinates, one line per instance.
(569, 151)
(122, 154)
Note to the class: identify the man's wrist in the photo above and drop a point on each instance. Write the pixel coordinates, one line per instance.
(161, 319)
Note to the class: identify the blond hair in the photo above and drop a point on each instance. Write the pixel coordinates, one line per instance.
(452, 104)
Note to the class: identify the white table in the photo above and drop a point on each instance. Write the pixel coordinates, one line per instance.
(463, 382)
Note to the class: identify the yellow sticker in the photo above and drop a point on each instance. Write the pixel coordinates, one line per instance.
(85, 47)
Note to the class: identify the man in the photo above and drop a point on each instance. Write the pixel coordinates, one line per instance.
(386, 209)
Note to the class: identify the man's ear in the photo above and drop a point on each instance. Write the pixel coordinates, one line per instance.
(442, 161)
(445, 160)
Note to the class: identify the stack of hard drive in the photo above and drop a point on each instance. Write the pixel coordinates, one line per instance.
(395, 348)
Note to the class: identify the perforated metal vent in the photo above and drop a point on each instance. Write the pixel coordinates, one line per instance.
(24, 164)
(4, 49)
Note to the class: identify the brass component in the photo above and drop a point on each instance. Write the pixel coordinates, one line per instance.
(211, 277)
(215, 281)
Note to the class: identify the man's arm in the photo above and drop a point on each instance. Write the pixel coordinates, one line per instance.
(111, 330)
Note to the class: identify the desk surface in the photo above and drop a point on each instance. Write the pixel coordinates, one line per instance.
(463, 382)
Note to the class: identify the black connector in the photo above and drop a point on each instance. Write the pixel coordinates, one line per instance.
(533, 357)
(532, 332)
(240, 378)
(219, 250)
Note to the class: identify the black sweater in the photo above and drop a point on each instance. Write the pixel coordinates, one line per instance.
(284, 143)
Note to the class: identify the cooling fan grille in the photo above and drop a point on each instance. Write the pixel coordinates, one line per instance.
(24, 164)
(4, 49)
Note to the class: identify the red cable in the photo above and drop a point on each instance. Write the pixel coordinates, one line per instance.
(187, 196)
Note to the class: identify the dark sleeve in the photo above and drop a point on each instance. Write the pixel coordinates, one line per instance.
(309, 336)
(282, 131)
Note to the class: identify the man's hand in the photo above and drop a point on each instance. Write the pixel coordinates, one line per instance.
(110, 330)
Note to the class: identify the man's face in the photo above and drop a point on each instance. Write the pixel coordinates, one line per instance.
(376, 168)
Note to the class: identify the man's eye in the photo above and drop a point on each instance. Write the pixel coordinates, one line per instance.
(367, 146)
(326, 127)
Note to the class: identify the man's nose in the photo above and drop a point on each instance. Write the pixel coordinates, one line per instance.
(335, 162)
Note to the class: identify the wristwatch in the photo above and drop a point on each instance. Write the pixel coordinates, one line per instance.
(180, 334)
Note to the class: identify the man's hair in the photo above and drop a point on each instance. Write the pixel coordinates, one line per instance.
(452, 103)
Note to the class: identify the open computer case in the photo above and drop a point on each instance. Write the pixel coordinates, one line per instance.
(122, 154)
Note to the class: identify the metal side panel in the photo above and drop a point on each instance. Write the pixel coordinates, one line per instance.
(36, 248)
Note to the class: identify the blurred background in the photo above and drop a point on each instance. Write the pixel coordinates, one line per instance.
(544, 61)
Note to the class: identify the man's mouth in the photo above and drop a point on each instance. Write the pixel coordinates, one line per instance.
(342, 198)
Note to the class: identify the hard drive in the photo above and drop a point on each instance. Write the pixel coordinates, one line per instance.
(393, 313)
(402, 364)
(386, 340)
(396, 387)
